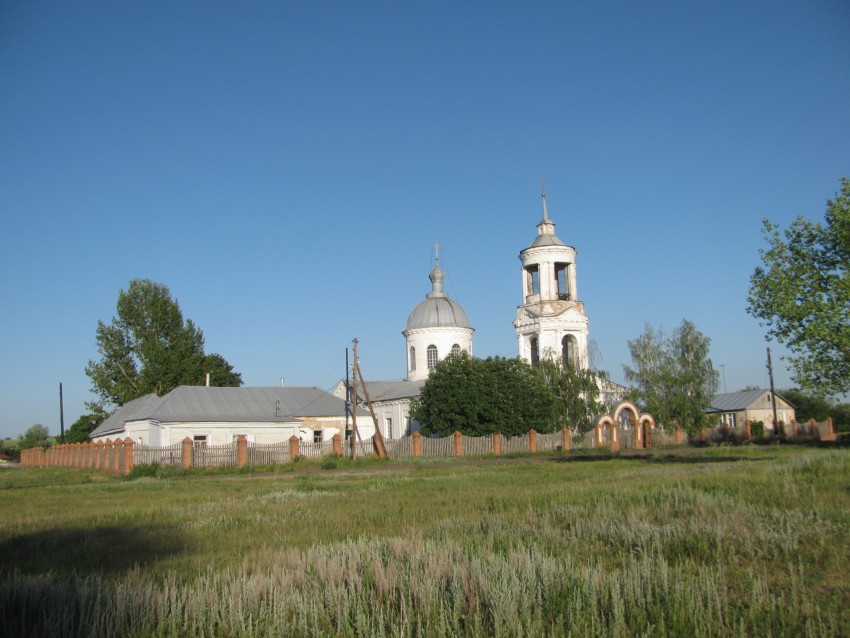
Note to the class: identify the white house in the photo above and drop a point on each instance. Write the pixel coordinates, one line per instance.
(216, 416)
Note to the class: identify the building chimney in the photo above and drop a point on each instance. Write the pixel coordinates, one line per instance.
(208, 379)
(282, 384)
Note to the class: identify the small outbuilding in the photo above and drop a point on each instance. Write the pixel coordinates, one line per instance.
(736, 408)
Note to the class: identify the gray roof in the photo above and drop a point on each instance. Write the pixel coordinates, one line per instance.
(115, 422)
(736, 401)
(546, 240)
(238, 405)
(438, 312)
(392, 390)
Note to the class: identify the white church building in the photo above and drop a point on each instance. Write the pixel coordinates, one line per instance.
(550, 322)
(436, 327)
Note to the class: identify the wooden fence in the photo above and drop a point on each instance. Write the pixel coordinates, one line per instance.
(120, 456)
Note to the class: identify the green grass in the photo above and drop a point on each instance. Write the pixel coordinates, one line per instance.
(713, 542)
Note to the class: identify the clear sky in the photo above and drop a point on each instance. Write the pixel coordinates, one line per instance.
(285, 168)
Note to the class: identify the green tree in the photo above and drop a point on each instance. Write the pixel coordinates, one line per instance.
(36, 436)
(149, 347)
(482, 396)
(802, 295)
(576, 393)
(807, 406)
(82, 427)
(673, 377)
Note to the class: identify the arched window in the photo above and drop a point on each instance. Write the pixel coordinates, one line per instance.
(432, 357)
(569, 350)
(456, 348)
(412, 363)
(535, 351)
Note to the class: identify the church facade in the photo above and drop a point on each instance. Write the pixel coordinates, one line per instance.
(437, 327)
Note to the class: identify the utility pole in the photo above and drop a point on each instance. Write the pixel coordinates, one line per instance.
(61, 416)
(355, 435)
(347, 393)
(772, 395)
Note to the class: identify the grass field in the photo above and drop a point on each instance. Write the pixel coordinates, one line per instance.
(717, 542)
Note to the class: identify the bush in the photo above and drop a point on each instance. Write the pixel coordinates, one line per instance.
(757, 429)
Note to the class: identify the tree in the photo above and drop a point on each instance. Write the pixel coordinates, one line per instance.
(481, 396)
(82, 427)
(807, 406)
(673, 377)
(576, 393)
(802, 295)
(149, 347)
(36, 436)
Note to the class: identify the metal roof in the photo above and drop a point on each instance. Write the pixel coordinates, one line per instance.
(438, 312)
(239, 405)
(736, 401)
(115, 422)
(546, 240)
(392, 390)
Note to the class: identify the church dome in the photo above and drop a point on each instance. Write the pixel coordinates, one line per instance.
(437, 310)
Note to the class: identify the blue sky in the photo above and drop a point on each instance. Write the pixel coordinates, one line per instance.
(285, 167)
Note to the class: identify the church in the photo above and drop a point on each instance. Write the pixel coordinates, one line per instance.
(550, 322)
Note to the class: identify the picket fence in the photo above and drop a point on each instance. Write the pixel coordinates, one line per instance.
(120, 456)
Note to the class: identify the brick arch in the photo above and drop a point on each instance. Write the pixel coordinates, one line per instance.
(630, 407)
(646, 417)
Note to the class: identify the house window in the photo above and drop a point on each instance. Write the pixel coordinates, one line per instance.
(388, 427)
(200, 440)
(432, 357)
(456, 349)
(412, 365)
(317, 436)
(535, 351)
(406, 424)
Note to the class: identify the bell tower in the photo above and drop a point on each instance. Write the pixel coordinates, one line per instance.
(551, 322)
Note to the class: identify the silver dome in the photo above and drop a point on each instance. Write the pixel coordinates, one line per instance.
(437, 310)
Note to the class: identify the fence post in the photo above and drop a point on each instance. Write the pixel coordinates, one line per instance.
(417, 444)
(458, 443)
(615, 437)
(337, 443)
(293, 447)
(597, 436)
(677, 434)
(532, 440)
(186, 455)
(94, 454)
(108, 464)
(129, 458)
(830, 428)
(497, 443)
(749, 430)
(703, 435)
(118, 457)
(241, 450)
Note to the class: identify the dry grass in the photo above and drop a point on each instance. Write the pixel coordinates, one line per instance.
(725, 542)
